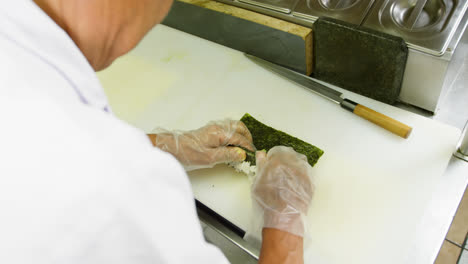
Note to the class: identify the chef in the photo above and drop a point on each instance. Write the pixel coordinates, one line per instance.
(78, 185)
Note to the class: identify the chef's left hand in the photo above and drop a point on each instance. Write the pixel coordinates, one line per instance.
(217, 142)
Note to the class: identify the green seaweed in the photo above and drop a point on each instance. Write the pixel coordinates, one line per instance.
(250, 156)
(265, 137)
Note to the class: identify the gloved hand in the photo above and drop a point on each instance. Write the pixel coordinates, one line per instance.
(282, 189)
(207, 146)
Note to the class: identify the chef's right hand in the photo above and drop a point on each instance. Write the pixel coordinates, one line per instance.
(283, 189)
(217, 142)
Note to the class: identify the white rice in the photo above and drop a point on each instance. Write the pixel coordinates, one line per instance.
(244, 167)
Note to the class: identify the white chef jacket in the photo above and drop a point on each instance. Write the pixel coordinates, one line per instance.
(78, 185)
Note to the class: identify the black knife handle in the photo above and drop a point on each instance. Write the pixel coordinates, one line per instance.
(348, 105)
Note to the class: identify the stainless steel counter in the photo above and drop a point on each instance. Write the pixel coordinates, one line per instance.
(454, 112)
(432, 33)
(351, 11)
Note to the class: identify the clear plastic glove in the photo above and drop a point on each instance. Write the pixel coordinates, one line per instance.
(205, 147)
(282, 189)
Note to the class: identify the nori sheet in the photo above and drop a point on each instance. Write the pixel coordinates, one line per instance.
(265, 138)
(250, 156)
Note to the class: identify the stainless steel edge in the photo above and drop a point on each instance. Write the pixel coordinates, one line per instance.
(269, 12)
(461, 156)
(227, 233)
(305, 16)
(462, 147)
(460, 33)
(276, 8)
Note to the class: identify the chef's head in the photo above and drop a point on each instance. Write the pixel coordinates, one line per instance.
(106, 29)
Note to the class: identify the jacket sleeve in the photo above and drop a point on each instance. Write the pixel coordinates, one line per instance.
(154, 220)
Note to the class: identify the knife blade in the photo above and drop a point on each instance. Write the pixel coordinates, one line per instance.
(375, 117)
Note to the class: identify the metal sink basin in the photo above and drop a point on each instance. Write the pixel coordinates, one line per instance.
(431, 14)
(337, 4)
(428, 29)
(352, 11)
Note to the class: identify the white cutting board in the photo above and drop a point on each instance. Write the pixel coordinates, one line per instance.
(372, 186)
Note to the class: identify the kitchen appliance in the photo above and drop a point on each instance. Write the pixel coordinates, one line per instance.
(432, 28)
(432, 41)
(432, 38)
(352, 11)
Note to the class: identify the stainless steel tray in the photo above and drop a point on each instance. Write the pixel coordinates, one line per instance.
(352, 11)
(435, 26)
(284, 6)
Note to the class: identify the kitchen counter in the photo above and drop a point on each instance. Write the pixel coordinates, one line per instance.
(383, 197)
(432, 232)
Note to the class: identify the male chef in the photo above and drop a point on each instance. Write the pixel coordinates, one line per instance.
(78, 185)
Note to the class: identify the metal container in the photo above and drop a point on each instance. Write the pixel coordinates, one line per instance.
(439, 23)
(434, 26)
(284, 6)
(352, 11)
(428, 77)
